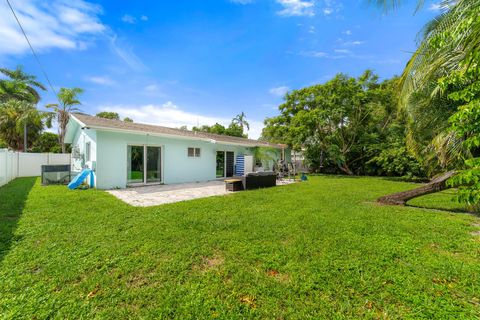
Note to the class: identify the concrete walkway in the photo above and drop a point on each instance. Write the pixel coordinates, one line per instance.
(161, 194)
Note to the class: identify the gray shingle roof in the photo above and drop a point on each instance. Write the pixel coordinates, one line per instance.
(117, 125)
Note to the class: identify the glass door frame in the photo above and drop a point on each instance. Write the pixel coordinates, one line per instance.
(224, 151)
(145, 160)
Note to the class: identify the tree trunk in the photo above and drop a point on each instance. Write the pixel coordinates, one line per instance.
(346, 169)
(400, 199)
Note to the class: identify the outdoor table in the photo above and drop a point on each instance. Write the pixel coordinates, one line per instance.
(233, 184)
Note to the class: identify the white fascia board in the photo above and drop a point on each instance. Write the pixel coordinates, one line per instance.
(173, 136)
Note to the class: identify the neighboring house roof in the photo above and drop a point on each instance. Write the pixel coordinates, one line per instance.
(116, 125)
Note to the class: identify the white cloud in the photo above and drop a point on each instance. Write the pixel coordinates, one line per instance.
(348, 32)
(335, 54)
(129, 19)
(170, 115)
(53, 24)
(350, 43)
(312, 30)
(314, 54)
(296, 8)
(345, 51)
(438, 6)
(59, 24)
(152, 88)
(331, 6)
(126, 53)
(327, 11)
(279, 91)
(101, 80)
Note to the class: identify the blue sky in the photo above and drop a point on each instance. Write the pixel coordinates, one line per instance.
(187, 62)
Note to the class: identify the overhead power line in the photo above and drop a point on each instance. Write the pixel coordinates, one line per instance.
(31, 48)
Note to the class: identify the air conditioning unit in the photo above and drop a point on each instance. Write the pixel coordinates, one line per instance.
(56, 174)
(248, 160)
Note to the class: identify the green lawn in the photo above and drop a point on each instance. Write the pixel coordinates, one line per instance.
(320, 249)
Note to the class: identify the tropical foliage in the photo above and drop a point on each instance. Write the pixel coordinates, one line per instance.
(20, 121)
(16, 116)
(47, 142)
(235, 129)
(441, 82)
(337, 126)
(19, 86)
(347, 125)
(68, 100)
(108, 115)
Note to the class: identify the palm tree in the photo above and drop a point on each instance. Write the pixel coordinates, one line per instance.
(240, 120)
(68, 98)
(20, 86)
(449, 43)
(21, 123)
(448, 49)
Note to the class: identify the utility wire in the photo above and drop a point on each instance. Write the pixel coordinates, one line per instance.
(31, 48)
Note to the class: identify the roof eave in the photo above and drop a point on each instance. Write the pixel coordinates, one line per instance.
(211, 140)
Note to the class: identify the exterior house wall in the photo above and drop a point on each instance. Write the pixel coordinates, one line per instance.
(111, 157)
(82, 137)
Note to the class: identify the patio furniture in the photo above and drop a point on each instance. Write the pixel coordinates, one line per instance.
(256, 180)
(233, 185)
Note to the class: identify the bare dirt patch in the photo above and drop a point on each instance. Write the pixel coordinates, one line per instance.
(209, 263)
(282, 277)
(249, 301)
(137, 281)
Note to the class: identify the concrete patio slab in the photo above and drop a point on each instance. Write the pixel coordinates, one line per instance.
(162, 194)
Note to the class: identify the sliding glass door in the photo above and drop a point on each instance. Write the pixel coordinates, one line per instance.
(144, 165)
(154, 164)
(225, 164)
(220, 164)
(135, 164)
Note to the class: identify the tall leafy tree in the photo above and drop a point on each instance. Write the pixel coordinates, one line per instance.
(47, 142)
(68, 101)
(235, 128)
(329, 121)
(108, 115)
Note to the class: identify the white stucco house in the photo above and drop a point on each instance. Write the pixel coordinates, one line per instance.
(126, 154)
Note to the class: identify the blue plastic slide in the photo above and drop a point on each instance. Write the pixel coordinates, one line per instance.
(79, 178)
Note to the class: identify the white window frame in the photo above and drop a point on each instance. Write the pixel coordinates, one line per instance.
(195, 154)
(162, 161)
(88, 151)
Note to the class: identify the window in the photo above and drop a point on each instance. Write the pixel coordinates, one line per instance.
(87, 151)
(194, 152)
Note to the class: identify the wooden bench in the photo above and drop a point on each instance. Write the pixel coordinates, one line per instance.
(233, 185)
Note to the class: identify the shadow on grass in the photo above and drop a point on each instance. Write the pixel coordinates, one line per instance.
(441, 201)
(13, 197)
(444, 209)
(334, 176)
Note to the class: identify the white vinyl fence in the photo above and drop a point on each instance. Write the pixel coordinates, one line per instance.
(20, 164)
